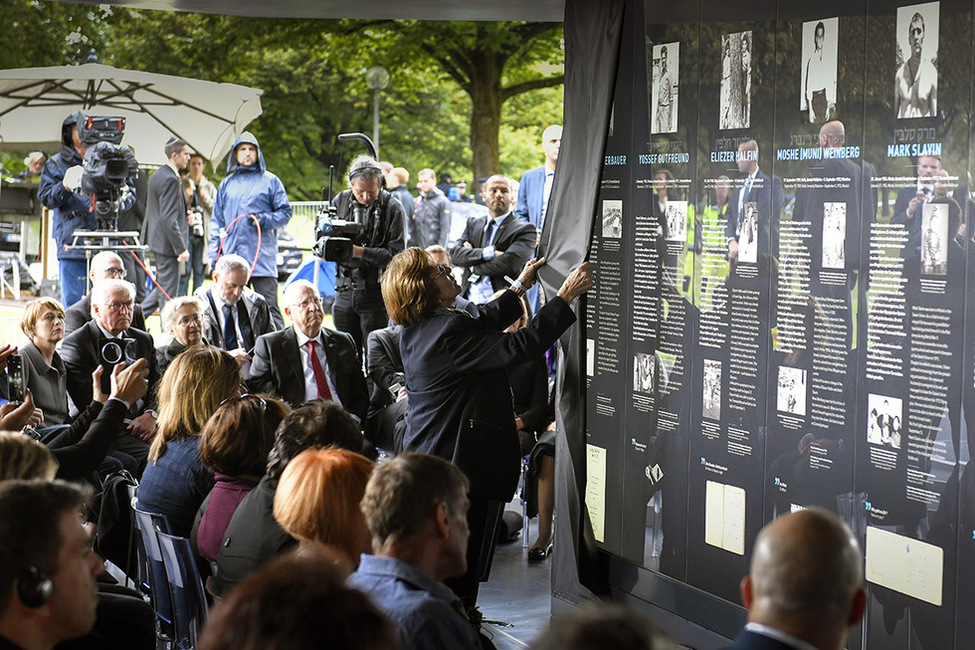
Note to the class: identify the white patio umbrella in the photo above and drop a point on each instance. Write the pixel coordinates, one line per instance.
(208, 116)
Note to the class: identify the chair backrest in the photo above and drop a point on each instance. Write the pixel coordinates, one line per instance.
(154, 580)
(189, 600)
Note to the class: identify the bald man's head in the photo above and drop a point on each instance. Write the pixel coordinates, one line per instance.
(832, 134)
(806, 578)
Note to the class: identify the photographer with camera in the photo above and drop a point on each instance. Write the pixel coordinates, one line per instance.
(377, 221)
(251, 205)
(200, 194)
(166, 225)
(71, 209)
(109, 340)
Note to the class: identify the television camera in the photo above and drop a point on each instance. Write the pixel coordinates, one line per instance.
(335, 237)
(108, 166)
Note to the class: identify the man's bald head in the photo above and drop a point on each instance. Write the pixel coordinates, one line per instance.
(806, 578)
(832, 134)
(105, 265)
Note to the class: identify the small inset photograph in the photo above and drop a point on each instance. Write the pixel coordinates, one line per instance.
(791, 394)
(665, 63)
(676, 220)
(612, 219)
(735, 102)
(643, 372)
(748, 233)
(817, 92)
(590, 357)
(934, 239)
(712, 389)
(916, 76)
(884, 417)
(834, 235)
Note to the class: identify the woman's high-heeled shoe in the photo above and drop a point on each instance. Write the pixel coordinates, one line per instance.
(540, 553)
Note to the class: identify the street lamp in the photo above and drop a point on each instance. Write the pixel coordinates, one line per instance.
(377, 78)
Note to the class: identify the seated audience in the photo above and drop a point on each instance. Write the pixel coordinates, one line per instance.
(175, 482)
(182, 318)
(284, 365)
(44, 371)
(112, 302)
(47, 567)
(318, 497)
(233, 445)
(416, 509)
(388, 401)
(805, 588)
(106, 265)
(603, 625)
(253, 537)
(234, 315)
(298, 602)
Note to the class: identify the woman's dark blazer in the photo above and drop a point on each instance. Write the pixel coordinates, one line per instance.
(460, 399)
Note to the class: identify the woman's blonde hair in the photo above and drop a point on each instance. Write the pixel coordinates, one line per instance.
(318, 499)
(34, 309)
(191, 390)
(409, 289)
(22, 457)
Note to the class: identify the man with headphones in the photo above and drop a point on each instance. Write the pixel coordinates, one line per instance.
(358, 308)
(47, 568)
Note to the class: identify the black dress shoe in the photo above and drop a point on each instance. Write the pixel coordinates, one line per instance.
(539, 554)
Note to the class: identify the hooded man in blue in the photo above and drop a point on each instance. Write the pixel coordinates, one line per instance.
(251, 205)
(71, 211)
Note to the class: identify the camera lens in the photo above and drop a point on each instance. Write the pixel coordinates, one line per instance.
(111, 353)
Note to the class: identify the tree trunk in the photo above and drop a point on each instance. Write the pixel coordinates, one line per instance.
(486, 99)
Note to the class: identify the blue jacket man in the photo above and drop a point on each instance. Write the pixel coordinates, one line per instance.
(247, 195)
(70, 210)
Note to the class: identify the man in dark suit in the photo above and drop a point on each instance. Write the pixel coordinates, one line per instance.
(493, 246)
(805, 588)
(284, 364)
(234, 315)
(112, 303)
(388, 402)
(756, 194)
(166, 224)
(910, 201)
(104, 266)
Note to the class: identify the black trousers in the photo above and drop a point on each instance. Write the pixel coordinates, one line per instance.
(359, 311)
(167, 277)
(268, 287)
(483, 519)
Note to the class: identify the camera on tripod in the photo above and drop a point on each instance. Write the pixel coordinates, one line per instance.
(108, 166)
(336, 237)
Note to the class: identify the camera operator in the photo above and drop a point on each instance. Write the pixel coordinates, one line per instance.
(358, 307)
(71, 210)
(200, 194)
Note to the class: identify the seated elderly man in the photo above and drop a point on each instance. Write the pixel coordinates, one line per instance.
(805, 589)
(106, 340)
(307, 361)
(416, 509)
(233, 315)
(183, 318)
(47, 568)
(106, 265)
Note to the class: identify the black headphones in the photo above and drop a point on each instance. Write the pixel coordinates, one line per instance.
(34, 588)
(364, 169)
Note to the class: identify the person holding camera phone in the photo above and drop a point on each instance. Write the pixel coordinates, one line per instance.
(358, 308)
(200, 194)
(108, 340)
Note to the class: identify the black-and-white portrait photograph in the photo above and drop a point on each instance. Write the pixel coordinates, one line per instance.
(884, 418)
(612, 219)
(817, 93)
(664, 88)
(834, 235)
(916, 76)
(934, 239)
(676, 220)
(736, 81)
(712, 389)
(791, 394)
(643, 372)
(748, 233)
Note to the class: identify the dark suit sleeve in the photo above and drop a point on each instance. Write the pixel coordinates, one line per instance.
(536, 414)
(74, 319)
(379, 364)
(347, 375)
(462, 256)
(78, 459)
(521, 207)
(78, 353)
(519, 250)
(262, 378)
(172, 208)
(904, 197)
(394, 242)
